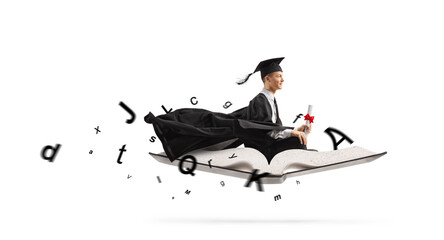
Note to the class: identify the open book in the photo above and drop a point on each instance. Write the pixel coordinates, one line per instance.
(241, 162)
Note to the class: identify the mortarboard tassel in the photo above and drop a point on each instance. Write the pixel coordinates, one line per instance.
(266, 67)
(244, 79)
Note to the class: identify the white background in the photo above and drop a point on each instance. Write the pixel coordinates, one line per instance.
(372, 69)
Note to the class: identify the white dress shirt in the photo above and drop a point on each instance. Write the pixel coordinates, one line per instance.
(286, 133)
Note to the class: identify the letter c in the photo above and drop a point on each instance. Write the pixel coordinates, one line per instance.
(191, 100)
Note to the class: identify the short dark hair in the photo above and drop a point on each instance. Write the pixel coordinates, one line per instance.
(263, 79)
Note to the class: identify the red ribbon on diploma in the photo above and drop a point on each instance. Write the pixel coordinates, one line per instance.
(308, 117)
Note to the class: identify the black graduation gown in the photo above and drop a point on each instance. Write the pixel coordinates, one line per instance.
(188, 129)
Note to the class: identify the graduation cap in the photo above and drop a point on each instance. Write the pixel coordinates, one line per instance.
(266, 67)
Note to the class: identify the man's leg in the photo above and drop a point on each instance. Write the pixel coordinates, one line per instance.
(285, 144)
(264, 150)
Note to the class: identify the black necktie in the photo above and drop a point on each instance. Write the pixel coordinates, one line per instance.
(277, 112)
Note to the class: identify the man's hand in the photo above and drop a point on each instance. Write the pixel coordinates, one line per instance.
(303, 126)
(301, 135)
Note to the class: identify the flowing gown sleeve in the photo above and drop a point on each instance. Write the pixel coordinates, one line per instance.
(188, 129)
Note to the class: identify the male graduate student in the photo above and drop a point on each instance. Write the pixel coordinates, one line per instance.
(264, 108)
(258, 125)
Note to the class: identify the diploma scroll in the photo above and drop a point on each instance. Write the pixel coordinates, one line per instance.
(310, 108)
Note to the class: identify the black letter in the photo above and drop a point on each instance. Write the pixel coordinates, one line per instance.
(133, 116)
(191, 100)
(257, 179)
(226, 104)
(189, 171)
(54, 152)
(297, 117)
(329, 131)
(120, 154)
(166, 110)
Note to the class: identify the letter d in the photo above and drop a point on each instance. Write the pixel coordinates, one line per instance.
(54, 152)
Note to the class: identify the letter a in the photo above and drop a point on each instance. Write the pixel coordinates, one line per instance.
(329, 131)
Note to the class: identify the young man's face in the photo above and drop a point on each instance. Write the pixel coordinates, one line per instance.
(275, 80)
